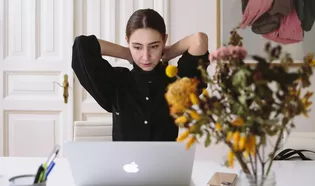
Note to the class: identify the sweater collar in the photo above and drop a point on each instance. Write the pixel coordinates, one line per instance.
(147, 75)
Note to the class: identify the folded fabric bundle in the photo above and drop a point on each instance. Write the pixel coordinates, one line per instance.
(290, 30)
(254, 9)
(266, 24)
(282, 21)
(283, 7)
(270, 21)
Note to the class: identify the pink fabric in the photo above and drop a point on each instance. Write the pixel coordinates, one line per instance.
(290, 30)
(255, 9)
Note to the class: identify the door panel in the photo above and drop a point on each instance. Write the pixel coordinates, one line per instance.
(34, 57)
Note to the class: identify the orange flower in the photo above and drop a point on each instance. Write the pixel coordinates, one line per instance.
(171, 71)
(178, 94)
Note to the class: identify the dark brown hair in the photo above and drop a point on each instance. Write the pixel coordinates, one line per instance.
(146, 18)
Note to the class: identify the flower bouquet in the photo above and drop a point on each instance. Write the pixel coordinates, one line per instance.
(244, 105)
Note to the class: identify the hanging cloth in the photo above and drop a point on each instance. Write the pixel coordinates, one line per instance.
(306, 13)
(266, 24)
(283, 7)
(270, 21)
(290, 30)
(254, 9)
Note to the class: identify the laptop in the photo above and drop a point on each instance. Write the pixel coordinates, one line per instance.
(129, 163)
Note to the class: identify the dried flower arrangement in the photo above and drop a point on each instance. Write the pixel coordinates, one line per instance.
(240, 108)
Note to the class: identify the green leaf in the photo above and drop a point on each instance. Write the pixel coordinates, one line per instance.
(208, 139)
(242, 99)
(239, 79)
(271, 121)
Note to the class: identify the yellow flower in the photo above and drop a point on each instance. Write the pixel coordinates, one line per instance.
(229, 136)
(190, 142)
(236, 146)
(242, 142)
(194, 115)
(238, 122)
(236, 136)
(183, 136)
(250, 147)
(230, 159)
(306, 103)
(178, 93)
(171, 71)
(308, 95)
(313, 63)
(218, 126)
(309, 57)
(194, 99)
(181, 120)
(205, 92)
(245, 154)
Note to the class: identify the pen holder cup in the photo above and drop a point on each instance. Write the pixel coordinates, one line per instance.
(24, 180)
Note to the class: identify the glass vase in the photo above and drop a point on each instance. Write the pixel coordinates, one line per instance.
(259, 180)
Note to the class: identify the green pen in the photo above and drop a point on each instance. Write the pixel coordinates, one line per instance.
(43, 173)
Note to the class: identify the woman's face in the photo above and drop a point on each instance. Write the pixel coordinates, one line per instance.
(146, 46)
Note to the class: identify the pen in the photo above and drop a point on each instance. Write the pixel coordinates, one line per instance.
(53, 155)
(42, 174)
(38, 173)
(50, 167)
(41, 171)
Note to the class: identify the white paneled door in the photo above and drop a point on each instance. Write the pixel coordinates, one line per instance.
(35, 55)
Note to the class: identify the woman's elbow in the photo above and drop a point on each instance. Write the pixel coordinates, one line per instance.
(199, 45)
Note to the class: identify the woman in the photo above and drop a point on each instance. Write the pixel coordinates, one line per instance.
(136, 97)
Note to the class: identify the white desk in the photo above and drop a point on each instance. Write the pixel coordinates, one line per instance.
(289, 173)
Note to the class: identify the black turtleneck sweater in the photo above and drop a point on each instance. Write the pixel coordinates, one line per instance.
(135, 98)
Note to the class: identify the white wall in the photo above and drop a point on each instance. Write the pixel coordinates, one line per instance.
(187, 17)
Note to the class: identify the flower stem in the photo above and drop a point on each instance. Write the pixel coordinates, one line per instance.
(275, 149)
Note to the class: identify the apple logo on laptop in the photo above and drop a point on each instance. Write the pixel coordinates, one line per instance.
(131, 167)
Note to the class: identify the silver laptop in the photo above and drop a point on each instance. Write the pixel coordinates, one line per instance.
(130, 163)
